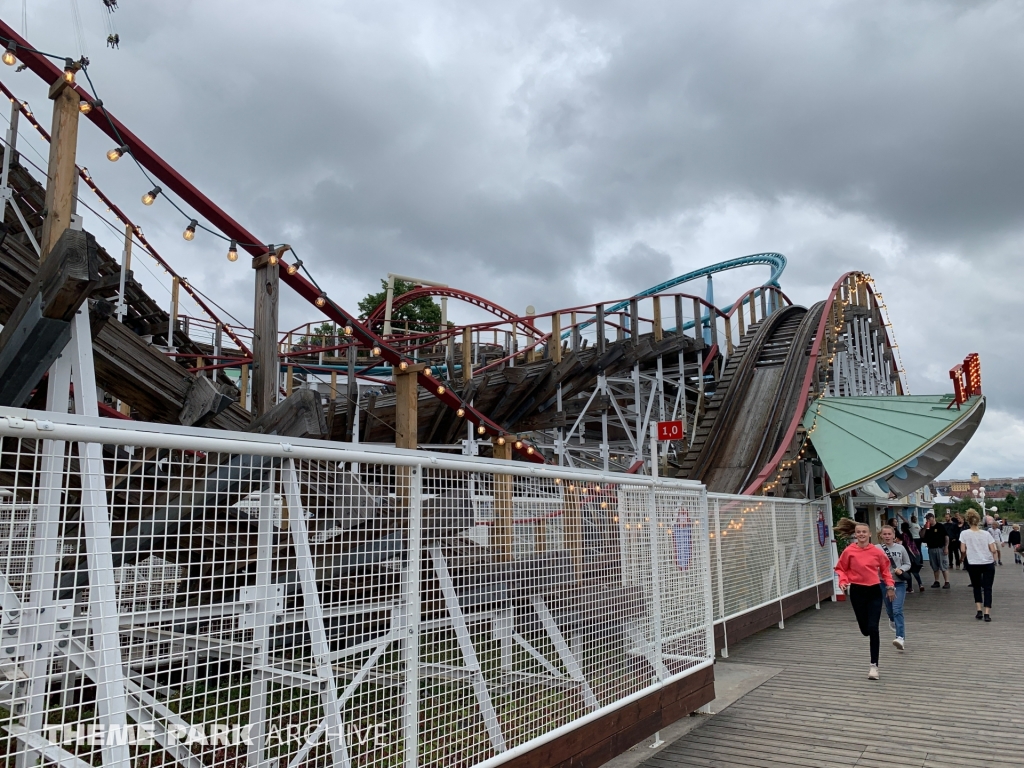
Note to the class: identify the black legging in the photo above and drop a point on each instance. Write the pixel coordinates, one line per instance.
(867, 606)
(982, 577)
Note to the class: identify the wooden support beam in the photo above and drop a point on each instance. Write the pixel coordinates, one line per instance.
(351, 391)
(698, 324)
(739, 319)
(753, 314)
(634, 319)
(265, 354)
(599, 325)
(467, 353)
(203, 401)
(40, 326)
(658, 332)
(61, 173)
(407, 399)
(502, 529)
(728, 337)
(301, 415)
(555, 339)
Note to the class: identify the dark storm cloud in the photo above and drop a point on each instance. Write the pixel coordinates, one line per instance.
(556, 153)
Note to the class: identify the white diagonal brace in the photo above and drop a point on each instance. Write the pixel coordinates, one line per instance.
(314, 617)
(569, 660)
(483, 696)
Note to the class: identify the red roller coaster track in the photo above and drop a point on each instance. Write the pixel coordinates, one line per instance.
(218, 218)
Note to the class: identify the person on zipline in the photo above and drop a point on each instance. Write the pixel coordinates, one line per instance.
(862, 568)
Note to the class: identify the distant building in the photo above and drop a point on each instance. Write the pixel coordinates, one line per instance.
(996, 488)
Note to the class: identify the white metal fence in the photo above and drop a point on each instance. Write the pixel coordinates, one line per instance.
(214, 599)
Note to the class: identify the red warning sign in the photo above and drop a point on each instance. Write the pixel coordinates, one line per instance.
(670, 430)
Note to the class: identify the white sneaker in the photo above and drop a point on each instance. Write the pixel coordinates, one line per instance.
(898, 642)
(873, 673)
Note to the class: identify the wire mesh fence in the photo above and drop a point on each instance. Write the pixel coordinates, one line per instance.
(169, 597)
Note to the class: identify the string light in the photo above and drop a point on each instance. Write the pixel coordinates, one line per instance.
(85, 107)
(190, 231)
(519, 445)
(233, 251)
(69, 71)
(10, 57)
(293, 268)
(500, 440)
(348, 330)
(149, 197)
(530, 450)
(375, 351)
(427, 371)
(116, 153)
(440, 390)
(272, 261)
(481, 429)
(321, 300)
(403, 366)
(460, 412)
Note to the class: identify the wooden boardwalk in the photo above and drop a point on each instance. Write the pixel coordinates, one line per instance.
(953, 699)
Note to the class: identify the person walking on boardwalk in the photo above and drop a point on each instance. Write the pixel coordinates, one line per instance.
(899, 564)
(861, 569)
(981, 550)
(953, 532)
(915, 531)
(1013, 540)
(916, 563)
(997, 536)
(937, 540)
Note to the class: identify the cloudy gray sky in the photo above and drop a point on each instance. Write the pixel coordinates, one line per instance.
(555, 153)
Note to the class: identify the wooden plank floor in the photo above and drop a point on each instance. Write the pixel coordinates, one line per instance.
(935, 706)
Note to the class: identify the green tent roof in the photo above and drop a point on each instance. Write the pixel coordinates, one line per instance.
(904, 442)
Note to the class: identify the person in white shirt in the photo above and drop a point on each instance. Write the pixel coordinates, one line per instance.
(997, 536)
(981, 550)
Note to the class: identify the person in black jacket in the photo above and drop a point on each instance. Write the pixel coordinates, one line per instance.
(1014, 541)
(953, 527)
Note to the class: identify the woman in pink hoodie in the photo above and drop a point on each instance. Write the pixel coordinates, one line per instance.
(862, 568)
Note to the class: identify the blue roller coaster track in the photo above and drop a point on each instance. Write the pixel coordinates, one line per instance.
(776, 261)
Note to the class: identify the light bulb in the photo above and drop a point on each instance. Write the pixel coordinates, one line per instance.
(233, 251)
(440, 390)
(501, 441)
(558, 480)
(348, 330)
(115, 154)
(460, 412)
(10, 57)
(272, 261)
(529, 450)
(321, 300)
(428, 372)
(403, 366)
(190, 230)
(375, 351)
(69, 71)
(519, 445)
(293, 268)
(149, 197)
(481, 429)
(84, 107)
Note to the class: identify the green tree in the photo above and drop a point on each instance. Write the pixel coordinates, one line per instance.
(423, 314)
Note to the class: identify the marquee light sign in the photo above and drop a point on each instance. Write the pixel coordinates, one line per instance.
(966, 380)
